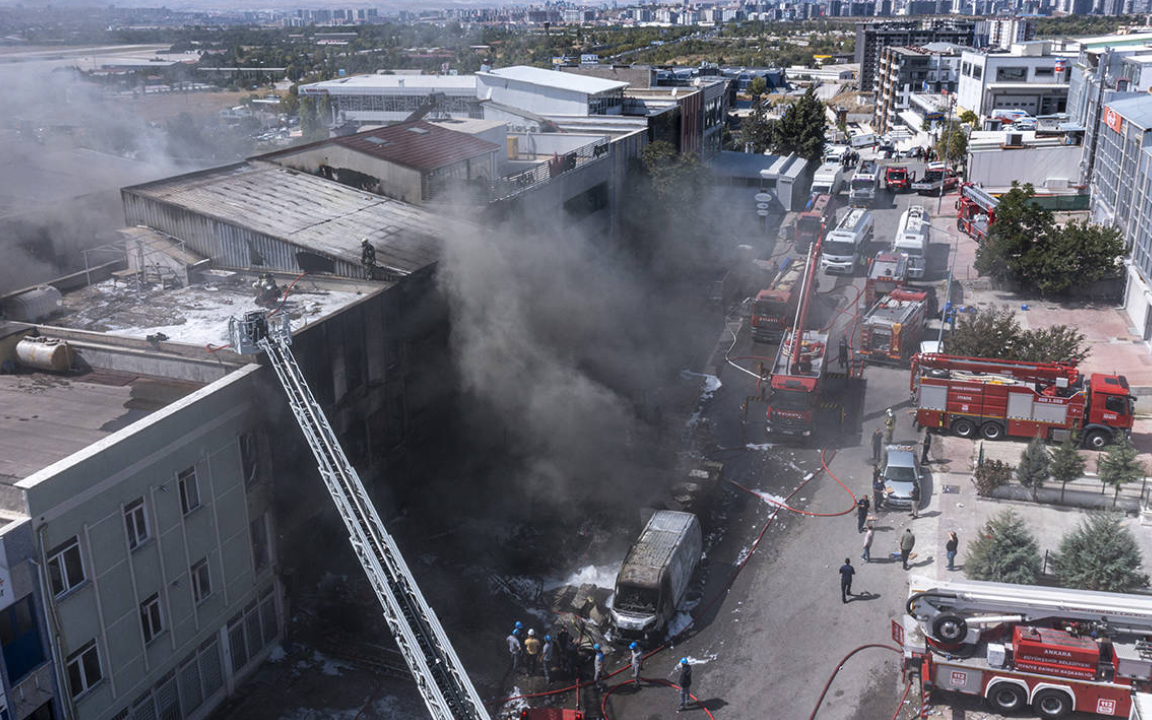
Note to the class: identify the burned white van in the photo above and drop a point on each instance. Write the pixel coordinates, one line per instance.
(656, 573)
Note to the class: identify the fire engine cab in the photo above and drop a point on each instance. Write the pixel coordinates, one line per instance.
(1057, 650)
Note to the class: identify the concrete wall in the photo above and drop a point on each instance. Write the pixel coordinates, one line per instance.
(1055, 167)
(83, 497)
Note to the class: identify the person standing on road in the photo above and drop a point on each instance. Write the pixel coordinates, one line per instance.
(637, 661)
(685, 684)
(547, 657)
(846, 573)
(877, 488)
(907, 542)
(598, 667)
(862, 506)
(532, 651)
(514, 648)
(950, 548)
(877, 446)
(915, 500)
(889, 426)
(866, 556)
(842, 358)
(926, 448)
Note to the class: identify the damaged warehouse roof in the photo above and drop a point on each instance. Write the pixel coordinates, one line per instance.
(266, 202)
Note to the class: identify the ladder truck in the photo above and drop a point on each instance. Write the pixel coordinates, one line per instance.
(998, 398)
(1057, 650)
(439, 674)
(975, 211)
(798, 370)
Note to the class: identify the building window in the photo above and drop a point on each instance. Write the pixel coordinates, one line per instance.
(150, 618)
(84, 669)
(136, 522)
(65, 567)
(20, 638)
(259, 531)
(201, 580)
(249, 457)
(252, 630)
(1044, 71)
(189, 490)
(1011, 74)
(977, 71)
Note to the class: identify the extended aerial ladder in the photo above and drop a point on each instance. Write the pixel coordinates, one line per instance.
(439, 674)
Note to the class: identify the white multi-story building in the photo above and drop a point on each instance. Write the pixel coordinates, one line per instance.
(1032, 77)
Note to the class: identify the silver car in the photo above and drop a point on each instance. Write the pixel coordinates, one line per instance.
(901, 473)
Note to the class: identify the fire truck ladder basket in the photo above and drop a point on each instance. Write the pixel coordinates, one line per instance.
(439, 675)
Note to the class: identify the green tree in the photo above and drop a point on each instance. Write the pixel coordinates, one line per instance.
(1100, 554)
(1035, 466)
(990, 475)
(1055, 343)
(969, 118)
(1025, 246)
(992, 333)
(1067, 463)
(801, 129)
(1119, 466)
(1004, 552)
(756, 88)
(756, 131)
(952, 145)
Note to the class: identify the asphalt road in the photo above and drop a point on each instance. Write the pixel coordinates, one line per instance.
(768, 644)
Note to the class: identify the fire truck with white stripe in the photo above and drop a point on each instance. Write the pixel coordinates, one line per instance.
(1053, 649)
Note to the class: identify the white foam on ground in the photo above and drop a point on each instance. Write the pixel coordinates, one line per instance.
(771, 499)
(277, 654)
(759, 446)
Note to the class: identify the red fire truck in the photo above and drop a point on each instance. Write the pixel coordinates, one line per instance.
(996, 398)
(887, 271)
(798, 371)
(892, 328)
(975, 211)
(1017, 645)
(812, 223)
(897, 178)
(775, 305)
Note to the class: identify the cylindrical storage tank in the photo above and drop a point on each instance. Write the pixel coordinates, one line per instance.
(34, 305)
(44, 354)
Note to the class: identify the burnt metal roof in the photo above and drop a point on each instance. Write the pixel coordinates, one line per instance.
(418, 145)
(309, 212)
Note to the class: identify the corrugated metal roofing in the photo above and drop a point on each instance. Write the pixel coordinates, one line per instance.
(555, 79)
(357, 84)
(309, 212)
(418, 145)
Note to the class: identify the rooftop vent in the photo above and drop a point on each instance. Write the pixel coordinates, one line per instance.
(418, 131)
(376, 140)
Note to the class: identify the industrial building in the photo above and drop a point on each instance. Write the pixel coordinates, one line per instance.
(1121, 196)
(1032, 77)
(378, 99)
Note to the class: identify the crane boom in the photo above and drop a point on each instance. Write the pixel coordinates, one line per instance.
(806, 290)
(439, 674)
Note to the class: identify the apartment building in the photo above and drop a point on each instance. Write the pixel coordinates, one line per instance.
(872, 38)
(905, 71)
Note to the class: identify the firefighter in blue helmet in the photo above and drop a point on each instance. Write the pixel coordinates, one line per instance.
(685, 684)
(637, 661)
(598, 667)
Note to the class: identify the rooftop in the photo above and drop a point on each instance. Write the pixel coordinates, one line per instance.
(472, 126)
(48, 416)
(311, 213)
(1136, 110)
(197, 314)
(418, 145)
(393, 85)
(554, 79)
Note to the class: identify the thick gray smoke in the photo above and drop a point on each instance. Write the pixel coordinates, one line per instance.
(568, 352)
(67, 149)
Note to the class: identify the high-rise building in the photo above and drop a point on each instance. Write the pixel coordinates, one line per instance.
(905, 71)
(872, 38)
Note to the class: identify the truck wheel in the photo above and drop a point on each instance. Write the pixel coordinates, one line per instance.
(992, 431)
(950, 629)
(1007, 697)
(1052, 704)
(964, 428)
(1097, 439)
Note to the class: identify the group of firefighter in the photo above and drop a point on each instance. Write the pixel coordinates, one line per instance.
(268, 291)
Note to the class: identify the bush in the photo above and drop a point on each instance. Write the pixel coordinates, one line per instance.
(1004, 552)
(1035, 466)
(991, 475)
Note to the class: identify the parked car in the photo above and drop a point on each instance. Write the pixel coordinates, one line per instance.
(900, 474)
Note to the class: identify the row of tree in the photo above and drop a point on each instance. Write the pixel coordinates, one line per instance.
(995, 333)
(1099, 554)
(1116, 468)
